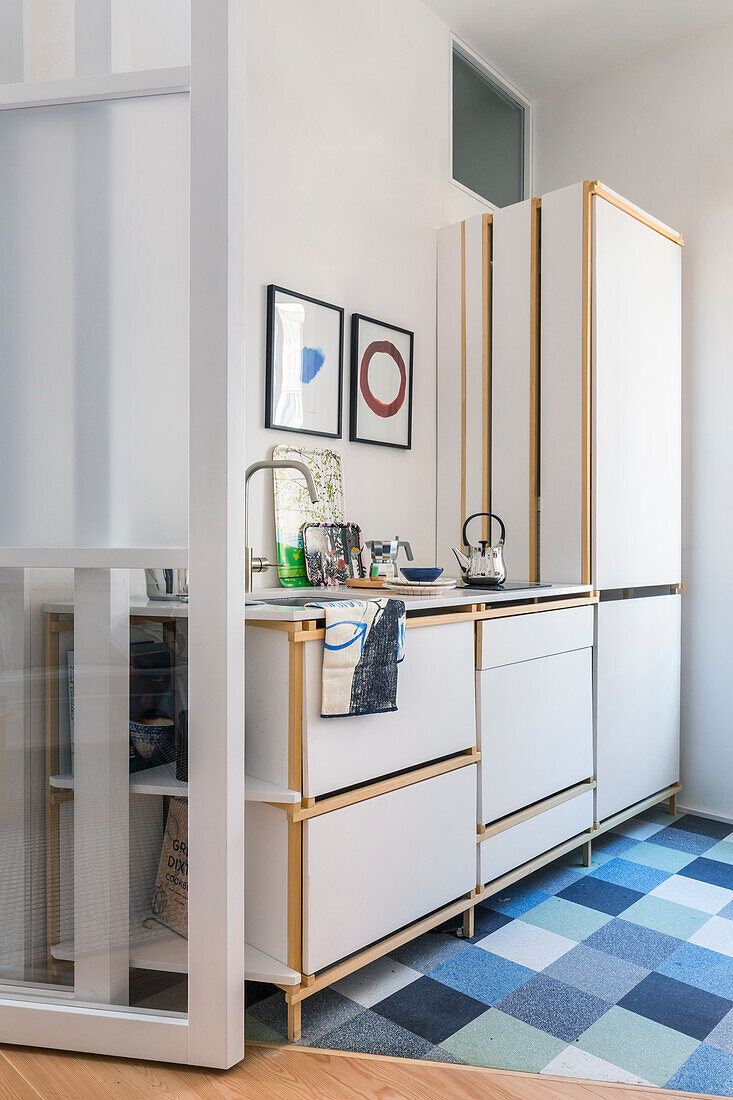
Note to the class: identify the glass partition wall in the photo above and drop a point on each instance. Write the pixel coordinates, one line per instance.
(121, 466)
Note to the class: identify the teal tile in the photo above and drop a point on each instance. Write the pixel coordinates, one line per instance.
(257, 1032)
(723, 852)
(660, 815)
(575, 922)
(502, 1042)
(642, 1046)
(654, 855)
(666, 916)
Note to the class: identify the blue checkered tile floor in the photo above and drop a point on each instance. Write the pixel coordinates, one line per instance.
(619, 972)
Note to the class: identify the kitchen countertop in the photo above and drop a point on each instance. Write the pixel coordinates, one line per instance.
(453, 597)
(255, 609)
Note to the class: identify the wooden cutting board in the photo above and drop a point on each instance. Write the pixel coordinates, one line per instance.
(365, 582)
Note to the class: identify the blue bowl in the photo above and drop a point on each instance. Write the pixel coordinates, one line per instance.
(411, 573)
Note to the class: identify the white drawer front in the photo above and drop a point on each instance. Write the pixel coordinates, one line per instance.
(515, 638)
(535, 730)
(510, 849)
(373, 867)
(435, 715)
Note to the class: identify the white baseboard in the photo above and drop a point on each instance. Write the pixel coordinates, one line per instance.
(703, 813)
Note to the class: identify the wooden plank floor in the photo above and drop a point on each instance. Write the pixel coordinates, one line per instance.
(282, 1073)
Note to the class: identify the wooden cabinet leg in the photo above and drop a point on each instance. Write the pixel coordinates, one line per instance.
(468, 923)
(587, 854)
(673, 804)
(294, 1021)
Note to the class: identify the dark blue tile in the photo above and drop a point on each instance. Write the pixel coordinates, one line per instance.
(719, 830)
(554, 1007)
(710, 870)
(605, 897)
(674, 1004)
(708, 1070)
(369, 1033)
(694, 843)
(486, 921)
(430, 1009)
(636, 944)
(635, 876)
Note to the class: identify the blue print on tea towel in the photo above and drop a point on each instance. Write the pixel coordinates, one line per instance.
(364, 643)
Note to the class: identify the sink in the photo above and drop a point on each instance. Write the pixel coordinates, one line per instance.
(301, 601)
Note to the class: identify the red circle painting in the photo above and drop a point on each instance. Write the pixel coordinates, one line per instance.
(380, 407)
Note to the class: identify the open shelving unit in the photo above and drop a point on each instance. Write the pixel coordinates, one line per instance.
(152, 945)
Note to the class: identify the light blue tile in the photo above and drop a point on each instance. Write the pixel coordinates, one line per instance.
(497, 1040)
(513, 903)
(727, 912)
(656, 855)
(708, 1070)
(722, 1035)
(666, 916)
(637, 876)
(702, 968)
(576, 922)
(722, 851)
(641, 1046)
(606, 976)
(482, 975)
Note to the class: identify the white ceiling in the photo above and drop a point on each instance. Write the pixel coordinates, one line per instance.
(542, 46)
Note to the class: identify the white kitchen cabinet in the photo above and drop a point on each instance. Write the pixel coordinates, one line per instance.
(610, 392)
(638, 700)
(435, 714)
(523, 842)
(536, 730)
(372, 867)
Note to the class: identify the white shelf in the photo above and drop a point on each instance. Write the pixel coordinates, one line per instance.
(259, 790)
(160, 780)
(158, 948)
(84, 89)
(259, 967)
(152, 947)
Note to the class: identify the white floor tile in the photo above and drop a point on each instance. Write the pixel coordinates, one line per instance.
(573, 1062)
(638, 829)
(696, 895)
(376, 981)
(717, 935)
(527, 945)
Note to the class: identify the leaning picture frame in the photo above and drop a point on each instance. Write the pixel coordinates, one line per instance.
(303, 364)
(381, 383)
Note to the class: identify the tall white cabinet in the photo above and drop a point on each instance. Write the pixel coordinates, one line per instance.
(610, 468)
(579, 363)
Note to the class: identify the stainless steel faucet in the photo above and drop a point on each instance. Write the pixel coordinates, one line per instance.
(254, 563)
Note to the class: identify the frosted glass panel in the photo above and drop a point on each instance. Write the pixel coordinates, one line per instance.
(93, 789)
(94, 324)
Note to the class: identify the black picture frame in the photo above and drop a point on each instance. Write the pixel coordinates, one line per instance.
(272, 291)
(357, 319)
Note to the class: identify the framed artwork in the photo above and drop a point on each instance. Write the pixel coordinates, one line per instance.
(381, 383)
(304, 364)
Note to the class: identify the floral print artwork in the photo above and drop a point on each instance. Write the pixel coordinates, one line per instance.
(293, 506)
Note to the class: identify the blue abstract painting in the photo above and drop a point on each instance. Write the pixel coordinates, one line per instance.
(312, 361)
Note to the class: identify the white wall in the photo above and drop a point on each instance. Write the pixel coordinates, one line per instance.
(659, 131)
(348, 168)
